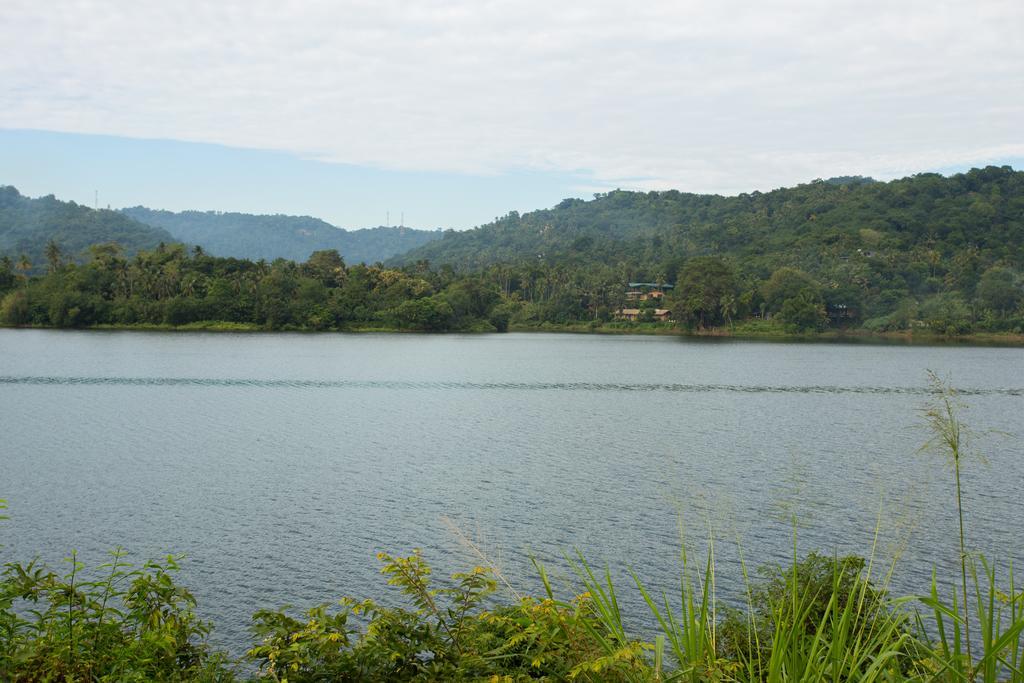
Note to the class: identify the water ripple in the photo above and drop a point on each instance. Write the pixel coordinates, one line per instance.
(514, 386)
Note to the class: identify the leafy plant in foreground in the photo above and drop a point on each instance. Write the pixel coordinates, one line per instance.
(447, 634)
(133, 624)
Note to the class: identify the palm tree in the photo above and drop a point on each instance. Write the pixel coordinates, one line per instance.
(728, 306)
(125, 282)
(53, 255)
(24, 265)
(188, 285)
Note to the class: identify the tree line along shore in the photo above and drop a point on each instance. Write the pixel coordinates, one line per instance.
(922, 257)
(174, 287)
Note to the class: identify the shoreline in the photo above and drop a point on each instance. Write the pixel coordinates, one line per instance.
(740, 333)
(857, 336)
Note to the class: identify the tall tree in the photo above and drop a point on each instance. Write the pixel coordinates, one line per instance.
(53, 255)
(24, 265)
(704, 283)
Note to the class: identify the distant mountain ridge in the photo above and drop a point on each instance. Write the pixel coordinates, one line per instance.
(27, 225)
(268, 237)
(815, 226)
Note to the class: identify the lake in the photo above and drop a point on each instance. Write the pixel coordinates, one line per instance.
(280, 464)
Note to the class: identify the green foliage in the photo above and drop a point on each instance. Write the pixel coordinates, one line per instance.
(947, 314)
(787, 284)
(8, 278)
(797, 299)
(446, 633)
(125, 624)
(705, 293)
(790, 604)
(49, 231)
(255, 237)
(804, 312)
(174, 287)
(999, 289)
(430, 314)
(928, 253)
(867, 246)
(1000, 614)
(820, 619)
(14, 309)
(902, 318)
(809, 226)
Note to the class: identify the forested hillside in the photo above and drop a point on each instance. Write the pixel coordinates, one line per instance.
(923, 221)
(942, 255)
(940, 252)
(28, 225)
(255, 237)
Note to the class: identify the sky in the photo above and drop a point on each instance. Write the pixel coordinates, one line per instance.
(454, 112)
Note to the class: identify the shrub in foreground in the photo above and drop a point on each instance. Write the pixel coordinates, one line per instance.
(821, 619)
(133, 624)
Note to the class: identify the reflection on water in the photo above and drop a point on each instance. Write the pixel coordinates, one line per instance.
(281, 463)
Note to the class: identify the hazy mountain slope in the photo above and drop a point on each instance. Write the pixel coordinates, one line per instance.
(278, 236)
(26, 225)
(804, 225)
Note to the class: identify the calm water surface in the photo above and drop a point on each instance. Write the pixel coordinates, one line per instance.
(281, 463)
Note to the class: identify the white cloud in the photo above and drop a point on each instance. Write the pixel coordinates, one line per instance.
(703, 96)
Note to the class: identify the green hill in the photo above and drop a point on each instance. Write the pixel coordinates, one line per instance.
(269, 237)
(27, 225)
(816, 227)
(939, 254)
(943, 253)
